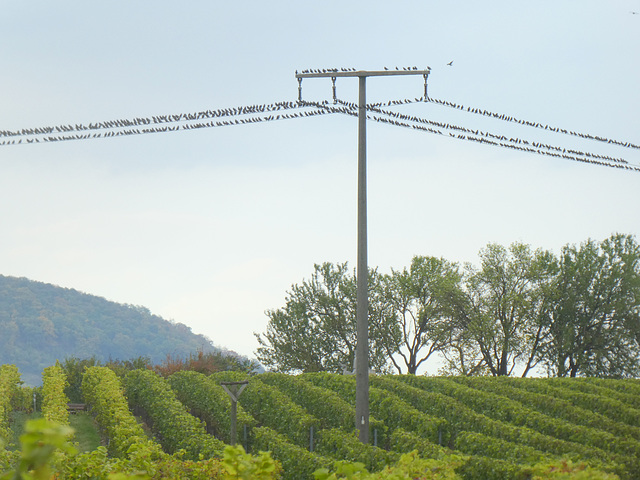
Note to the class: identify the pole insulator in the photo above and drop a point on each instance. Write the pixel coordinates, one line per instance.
(426, 75)
(335, 98)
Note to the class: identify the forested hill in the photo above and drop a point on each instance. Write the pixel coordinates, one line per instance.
(41, 323)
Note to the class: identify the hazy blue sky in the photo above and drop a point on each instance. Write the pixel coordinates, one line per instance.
(211, 227)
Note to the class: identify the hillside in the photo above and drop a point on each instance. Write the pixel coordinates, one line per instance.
(40, 323)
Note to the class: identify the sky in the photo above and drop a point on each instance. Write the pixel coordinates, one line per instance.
(211, 227)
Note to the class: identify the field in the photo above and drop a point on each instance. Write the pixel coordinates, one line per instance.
(482, 427)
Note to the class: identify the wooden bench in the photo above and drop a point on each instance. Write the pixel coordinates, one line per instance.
(76, 407)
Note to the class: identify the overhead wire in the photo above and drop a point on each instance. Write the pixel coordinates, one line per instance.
(227, 117)
(169, 123)
(478, 136)
(154, 120)
(546, 127)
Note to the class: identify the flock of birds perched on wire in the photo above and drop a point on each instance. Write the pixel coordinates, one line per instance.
(300, 109)
(346, 70)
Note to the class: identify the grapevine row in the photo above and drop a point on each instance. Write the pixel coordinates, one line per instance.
(103, 391)
(173, 425)
(54, 400)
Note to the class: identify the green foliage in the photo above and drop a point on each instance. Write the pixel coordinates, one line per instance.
(402, 441)
(517, 414)
(409, 467)
(603, 388)
(609, 407)
(47, 454)
(23, 399)
(331, 410)
(394, 412)
(208, 401)
(503, 314)
(239, 465)
(54, 400)
(104, 393)
(595, 320)
(565, 469)
(175, 428)
(9, 388)
(420, 299)
(297, 462)
(39, 443)
(485, 468)
(316, 329)
(557, 407)
(497, 425)
(74, 369)
(274, 409)
(341, 445)
(486, 448)
(473, 443)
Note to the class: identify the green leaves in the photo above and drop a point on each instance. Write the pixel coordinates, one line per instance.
(316, 329)
(54, 405)
(419, 299)
(596, 316)
(39, 443)
(239, 465)
(176, 428)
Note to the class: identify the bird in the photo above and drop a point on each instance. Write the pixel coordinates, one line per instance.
(450, 63)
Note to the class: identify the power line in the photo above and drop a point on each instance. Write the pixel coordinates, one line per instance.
(153, 120)
(498, 116)
(138, 126)
(509, 118)
(228, 117)
(478, 136)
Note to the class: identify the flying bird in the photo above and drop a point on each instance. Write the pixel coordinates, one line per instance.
(450, 63)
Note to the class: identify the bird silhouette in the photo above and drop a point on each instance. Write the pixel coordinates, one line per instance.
(450, 63)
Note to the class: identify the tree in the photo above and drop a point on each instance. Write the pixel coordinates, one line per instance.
(500, 319)
(420, 301)
(595, 321)
(316, 329)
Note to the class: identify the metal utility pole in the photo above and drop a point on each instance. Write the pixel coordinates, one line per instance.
(362, 271)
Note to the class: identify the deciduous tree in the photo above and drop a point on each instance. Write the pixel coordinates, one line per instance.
(316, 329)
(501, 316)
(595, 322)
(420, 300)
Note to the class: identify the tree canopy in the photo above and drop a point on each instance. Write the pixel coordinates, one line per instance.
(316, 329)
(520, 310)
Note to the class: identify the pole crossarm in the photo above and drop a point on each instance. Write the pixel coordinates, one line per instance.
(234, 389)
(362, 73)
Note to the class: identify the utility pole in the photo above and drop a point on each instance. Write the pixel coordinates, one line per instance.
(234, 389)
(362, 270)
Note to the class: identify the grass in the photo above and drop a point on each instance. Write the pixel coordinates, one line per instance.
(86, 435)
(16, 422)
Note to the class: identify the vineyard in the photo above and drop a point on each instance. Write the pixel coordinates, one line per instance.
(464, 427)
